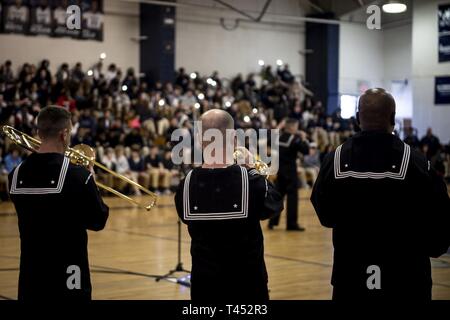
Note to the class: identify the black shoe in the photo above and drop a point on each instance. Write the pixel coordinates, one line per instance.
(296, 228)
(270, 226)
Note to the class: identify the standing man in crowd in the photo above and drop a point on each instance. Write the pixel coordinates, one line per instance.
(222, 205)
(292, 141)
(389, 210)
(432, 144)
(56, 202)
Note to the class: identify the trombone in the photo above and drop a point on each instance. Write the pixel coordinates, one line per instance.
(82, 155)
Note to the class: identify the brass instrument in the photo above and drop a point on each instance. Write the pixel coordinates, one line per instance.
(240, 154)
(82, 155)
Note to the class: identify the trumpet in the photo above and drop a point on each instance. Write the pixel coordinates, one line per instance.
(241, 153)
(82, 155)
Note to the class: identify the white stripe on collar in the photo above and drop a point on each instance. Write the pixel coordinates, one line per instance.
(243, 213)
(87, 180)
(62, 177)
(287, 143)
(401, 175)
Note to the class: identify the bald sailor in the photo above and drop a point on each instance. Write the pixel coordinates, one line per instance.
(222, 204)
(388, 209)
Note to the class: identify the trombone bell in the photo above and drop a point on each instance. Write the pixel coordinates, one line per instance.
(83, 149)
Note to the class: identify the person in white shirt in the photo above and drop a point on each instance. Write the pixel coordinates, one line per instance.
(60, 14)
(43, 14)
(108, 160)
(111, 73)
(93, 18)
(17, 13)
(123, 168)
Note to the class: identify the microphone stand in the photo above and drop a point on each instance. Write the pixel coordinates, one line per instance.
(179, 266)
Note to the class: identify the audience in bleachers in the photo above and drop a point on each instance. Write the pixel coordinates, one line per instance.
(130, 122)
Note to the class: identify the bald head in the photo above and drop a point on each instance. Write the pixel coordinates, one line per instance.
(217, 119)
(222, 149)
(376, 110)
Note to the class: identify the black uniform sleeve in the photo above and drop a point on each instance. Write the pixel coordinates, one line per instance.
(96, 212)
(437, 216)
(300, 146)
(322, 194)
(179, 200)
(10, 176)
(269, 200)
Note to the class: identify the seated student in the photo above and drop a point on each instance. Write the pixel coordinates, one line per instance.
(301, 174)
(155, 168)
(109, 161)
(169, 171)
(12, 160)
(123, 168)
(137, 167)
(311, 162)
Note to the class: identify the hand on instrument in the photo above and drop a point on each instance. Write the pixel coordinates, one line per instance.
(303, 135)
(244, 158)
(282, 124)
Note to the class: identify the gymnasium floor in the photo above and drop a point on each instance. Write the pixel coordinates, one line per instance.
(136, 244)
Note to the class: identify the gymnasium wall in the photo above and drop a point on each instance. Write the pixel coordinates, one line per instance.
(121, 23)
(398, 67)
(377, 58)
(425, 67)
(203, 45)
(397, 52)
(361, 57)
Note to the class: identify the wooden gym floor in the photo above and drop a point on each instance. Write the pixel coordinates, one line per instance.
(136, 244)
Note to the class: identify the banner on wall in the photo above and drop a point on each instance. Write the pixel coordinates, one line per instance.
(1, 17)
(16, 16)
(444, 32)
(48, 17)
(40, 18)
(442, 90)
(92, 24)
(59, 20)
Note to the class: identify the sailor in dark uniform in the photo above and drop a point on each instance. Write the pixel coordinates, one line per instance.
(56, 202)
(291, 143)
(389, 210)
(222, 205)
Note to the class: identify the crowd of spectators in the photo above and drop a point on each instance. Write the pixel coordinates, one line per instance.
(130, 122)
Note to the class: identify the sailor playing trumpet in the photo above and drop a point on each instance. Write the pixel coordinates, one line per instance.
(222, 204)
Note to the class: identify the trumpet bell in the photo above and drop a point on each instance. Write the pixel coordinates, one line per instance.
(241, 154)
(262, 168)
